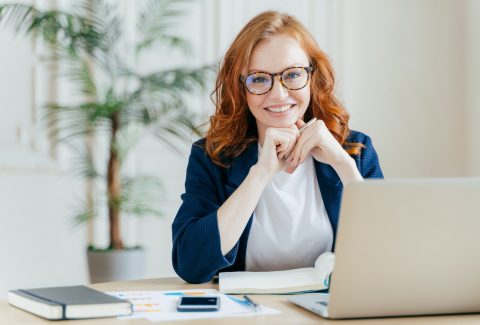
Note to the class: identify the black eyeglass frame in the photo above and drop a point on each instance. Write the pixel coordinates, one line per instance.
(308, 69)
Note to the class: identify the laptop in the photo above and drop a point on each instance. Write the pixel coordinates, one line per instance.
(404, 247)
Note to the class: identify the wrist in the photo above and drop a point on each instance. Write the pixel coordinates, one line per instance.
(347, 170)
(261, 174)
(344, 160)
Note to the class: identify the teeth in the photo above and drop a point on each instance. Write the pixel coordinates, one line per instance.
(279, 109)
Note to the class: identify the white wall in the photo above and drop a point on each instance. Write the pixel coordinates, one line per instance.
(407, 72)
(37, 244)
(472, 118)
(16, 63)
(403, 77)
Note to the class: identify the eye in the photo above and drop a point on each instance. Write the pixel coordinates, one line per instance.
(259, 79)
(291, 75)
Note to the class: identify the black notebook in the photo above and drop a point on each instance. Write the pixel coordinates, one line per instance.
(74, 302)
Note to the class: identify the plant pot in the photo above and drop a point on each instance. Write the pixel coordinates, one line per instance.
(116, 265)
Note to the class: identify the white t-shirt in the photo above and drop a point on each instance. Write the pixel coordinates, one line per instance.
(290, 226)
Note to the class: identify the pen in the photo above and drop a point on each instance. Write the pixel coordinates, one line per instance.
(252, 303)
(306, 125)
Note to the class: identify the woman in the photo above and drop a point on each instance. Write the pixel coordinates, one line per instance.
(259, 194)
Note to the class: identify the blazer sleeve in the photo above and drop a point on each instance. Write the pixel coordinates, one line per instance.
(196, 254)
(369, 165)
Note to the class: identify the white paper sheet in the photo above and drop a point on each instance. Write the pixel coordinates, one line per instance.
(158, 306)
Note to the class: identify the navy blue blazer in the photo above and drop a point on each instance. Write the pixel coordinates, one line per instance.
(196, 254)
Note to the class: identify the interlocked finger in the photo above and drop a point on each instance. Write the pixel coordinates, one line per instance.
(292, 138)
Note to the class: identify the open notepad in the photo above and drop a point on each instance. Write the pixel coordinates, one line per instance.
(280, 282)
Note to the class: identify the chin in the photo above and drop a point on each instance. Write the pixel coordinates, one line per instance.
(285, 123)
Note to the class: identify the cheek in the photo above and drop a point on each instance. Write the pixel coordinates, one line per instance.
(254, 102)
(303, 96)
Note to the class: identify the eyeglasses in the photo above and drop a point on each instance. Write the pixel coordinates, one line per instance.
(293, 78)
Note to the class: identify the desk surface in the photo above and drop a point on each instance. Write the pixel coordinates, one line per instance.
(291, 314)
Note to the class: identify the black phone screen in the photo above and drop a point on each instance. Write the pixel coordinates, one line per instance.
(195, 301)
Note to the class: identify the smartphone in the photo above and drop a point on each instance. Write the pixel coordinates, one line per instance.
(204, 303)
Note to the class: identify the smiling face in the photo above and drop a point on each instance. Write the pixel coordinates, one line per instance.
(280, 107)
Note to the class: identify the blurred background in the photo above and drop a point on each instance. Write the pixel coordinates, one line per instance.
(408, 71)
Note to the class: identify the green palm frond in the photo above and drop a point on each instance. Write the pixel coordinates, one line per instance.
(79, 71)
(117, 102)
(157, 22)
(150, 107)
(189, 121)
(160, 101)
(178, 124)
(57, 28)
(83, 165)
(66, 121)
(19, 16)
(140, 195)
(81, 215)
(104, 19)
(73, 121)
(127, 138)
(179, 80)
(163, 92)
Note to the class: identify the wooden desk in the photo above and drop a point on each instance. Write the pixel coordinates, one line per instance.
(291, 314)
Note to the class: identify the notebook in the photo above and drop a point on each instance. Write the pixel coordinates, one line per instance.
(280, 282)
(74, 302)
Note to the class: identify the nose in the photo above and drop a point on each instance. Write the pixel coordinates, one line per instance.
(278, 90)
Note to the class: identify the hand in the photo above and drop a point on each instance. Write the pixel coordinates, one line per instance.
(278, 144)
(318, 140)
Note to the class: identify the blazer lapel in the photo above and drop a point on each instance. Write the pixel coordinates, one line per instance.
(331, 188)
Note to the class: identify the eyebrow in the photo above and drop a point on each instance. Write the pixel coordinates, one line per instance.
(296, 64)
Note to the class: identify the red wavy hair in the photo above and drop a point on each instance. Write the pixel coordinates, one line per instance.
(233, 127)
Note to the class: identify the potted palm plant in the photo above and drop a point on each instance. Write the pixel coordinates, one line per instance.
(116, 103)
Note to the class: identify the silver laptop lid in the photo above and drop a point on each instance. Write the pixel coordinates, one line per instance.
(407, 247)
